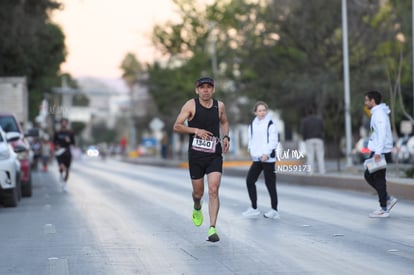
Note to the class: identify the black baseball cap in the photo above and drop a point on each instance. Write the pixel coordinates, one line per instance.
(205, 80)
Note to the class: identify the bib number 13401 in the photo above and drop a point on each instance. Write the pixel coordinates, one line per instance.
(204, 145)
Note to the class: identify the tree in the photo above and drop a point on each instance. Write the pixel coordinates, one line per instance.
(132, 69)
(31, 46)
(101, 133)
(282, 51)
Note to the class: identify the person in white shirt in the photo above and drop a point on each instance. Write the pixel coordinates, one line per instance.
(380, 144)
(263, 140)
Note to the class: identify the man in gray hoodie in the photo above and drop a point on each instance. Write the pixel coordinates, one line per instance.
(380, 145)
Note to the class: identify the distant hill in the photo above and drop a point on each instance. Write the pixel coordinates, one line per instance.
(110, 85)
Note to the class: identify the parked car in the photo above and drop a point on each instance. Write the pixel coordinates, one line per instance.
(10, 189)
(404, 150)
(410, 146)
(361, 152)
(92, 151)
(9, 123)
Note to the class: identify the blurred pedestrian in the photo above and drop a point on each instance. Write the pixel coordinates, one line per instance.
(380, 144)
(123, 144)
(36, 147)
(64, 138)
(202, 118)
(164, 146)
(103, 150)
(312, 130)
(263, 140)
(46, 153)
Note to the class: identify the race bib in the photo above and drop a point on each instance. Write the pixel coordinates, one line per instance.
(204, 145)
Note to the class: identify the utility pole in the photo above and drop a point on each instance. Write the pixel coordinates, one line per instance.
(348, 129)
(131, 120)
(412, 42)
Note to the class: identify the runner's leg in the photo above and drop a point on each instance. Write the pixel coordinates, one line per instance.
(214, 179)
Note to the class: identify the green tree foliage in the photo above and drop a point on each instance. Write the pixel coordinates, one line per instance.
(101, 133)
(80, 100)
(132, 69)
(171, 88)
(181, 40)
(284, 52)
(31, 46)
(77, 127)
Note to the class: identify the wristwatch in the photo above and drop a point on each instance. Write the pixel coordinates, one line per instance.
(226, 136)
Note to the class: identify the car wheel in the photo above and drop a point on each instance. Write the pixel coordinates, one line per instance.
(27, 188)
(11, 197)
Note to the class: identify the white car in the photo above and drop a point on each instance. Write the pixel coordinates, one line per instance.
(10, 188)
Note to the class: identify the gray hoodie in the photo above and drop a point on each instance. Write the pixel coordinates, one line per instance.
(380, 140)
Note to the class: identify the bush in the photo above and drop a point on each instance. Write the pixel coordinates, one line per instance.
(410, 172)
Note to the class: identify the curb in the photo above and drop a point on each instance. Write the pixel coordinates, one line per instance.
(401, 188)
(343, 182)
(241, 163)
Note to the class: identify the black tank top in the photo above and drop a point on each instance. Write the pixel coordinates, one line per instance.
(207, 119)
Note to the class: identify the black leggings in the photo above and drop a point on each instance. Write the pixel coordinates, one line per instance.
(268, 169)
(378, 182)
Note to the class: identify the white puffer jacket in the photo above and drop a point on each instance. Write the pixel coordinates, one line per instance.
(258, 144)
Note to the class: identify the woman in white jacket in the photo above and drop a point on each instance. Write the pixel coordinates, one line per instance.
(263, 140)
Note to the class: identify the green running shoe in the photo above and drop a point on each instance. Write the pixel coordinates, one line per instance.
(197, 217)
(212, 235)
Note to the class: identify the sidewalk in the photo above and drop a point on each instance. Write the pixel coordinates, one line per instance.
(351, 178)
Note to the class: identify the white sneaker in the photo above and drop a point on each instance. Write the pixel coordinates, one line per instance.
(379, 213)
(390, 203)
(272, 214)
(64, 186)
(251, 212)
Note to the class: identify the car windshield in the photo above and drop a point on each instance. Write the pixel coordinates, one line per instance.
(8, 124)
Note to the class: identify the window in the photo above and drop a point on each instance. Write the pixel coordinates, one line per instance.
(9, 124)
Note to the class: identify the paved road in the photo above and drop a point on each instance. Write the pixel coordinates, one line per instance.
(119, 218)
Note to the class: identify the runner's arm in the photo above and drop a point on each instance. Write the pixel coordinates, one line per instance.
(185, 113)
(224, 124)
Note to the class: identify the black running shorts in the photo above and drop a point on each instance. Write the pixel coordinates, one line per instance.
(64, 159)
(199, 167)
